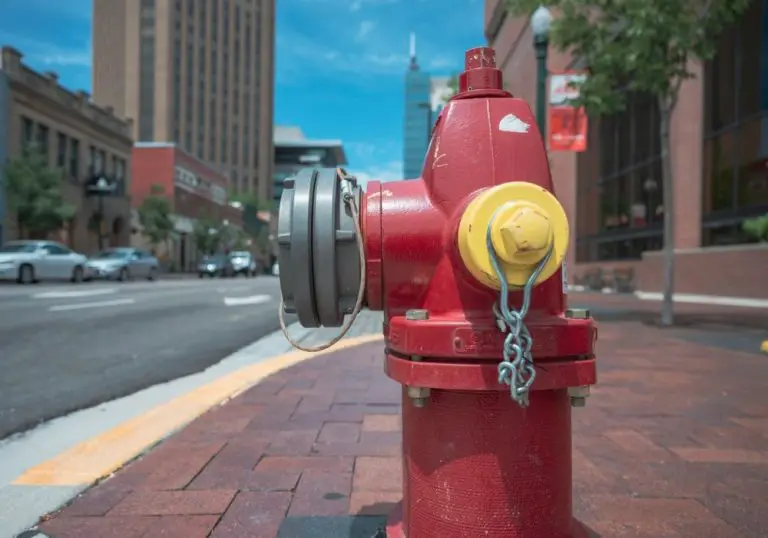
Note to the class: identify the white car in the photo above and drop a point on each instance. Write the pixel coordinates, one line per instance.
(276, 270)
(27, 262)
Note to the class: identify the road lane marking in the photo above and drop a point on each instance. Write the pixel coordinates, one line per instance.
(73, 294)
(83, 306)
(253, 299)
(743, 302)
(99, 456)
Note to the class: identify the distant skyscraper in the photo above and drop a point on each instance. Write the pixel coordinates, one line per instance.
(417, 124)
(195, 72)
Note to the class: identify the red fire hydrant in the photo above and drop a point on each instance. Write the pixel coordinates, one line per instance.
(466, 263)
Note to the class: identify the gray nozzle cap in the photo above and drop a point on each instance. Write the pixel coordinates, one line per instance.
(317, 249)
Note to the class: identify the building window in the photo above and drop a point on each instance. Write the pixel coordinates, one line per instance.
(147, 71)
(43, 134)
(620, 206)
(96, 160)
(61, 151)
(74, 159)
(27, 132)
(735, 174)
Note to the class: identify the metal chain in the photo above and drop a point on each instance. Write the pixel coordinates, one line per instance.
(516, 368)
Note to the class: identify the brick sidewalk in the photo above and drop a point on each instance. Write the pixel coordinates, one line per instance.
(673, 443)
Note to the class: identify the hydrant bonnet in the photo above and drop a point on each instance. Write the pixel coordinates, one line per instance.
(318, 256)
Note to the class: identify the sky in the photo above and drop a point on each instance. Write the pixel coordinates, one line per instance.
(339, 70)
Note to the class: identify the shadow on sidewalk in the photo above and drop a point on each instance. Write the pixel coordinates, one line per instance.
(333, 527)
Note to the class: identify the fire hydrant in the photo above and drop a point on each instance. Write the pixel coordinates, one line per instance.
(466, 263)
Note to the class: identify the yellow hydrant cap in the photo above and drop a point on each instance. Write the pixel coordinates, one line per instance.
(525, 222)
(521, 233)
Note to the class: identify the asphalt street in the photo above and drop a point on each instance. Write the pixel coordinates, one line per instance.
(69, 347)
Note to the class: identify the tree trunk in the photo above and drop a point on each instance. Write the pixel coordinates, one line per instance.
(667, 303)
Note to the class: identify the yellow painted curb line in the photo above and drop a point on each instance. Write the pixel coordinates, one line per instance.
(101, 455)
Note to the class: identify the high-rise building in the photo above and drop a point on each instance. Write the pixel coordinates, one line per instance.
(198, 73)
(417, 124)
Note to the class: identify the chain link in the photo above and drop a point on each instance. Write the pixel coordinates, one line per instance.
(516, 368)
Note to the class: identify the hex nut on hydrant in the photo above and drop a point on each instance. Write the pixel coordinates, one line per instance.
(527, 230)
(578, 395)
(417, 315)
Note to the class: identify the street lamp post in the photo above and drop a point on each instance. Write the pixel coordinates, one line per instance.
(540, 21)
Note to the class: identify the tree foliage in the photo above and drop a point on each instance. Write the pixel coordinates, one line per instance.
(635, 45)
(757, 228)
(205, 235)
(211, 236)
(643, 47)
(250, 200)
(155, 216)
(35, 194)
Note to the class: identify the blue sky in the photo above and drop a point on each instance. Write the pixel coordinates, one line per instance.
(339, 70)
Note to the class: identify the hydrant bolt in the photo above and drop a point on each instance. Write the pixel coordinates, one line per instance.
(419, 396)
(578, 395)
(578, 402)
(578, 313)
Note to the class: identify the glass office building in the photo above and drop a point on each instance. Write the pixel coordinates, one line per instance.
(417, 124)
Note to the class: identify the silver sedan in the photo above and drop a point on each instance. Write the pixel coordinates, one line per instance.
(31, 261)
(123, 264)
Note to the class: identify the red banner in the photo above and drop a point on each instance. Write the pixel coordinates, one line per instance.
(567, 124)
(567, 129)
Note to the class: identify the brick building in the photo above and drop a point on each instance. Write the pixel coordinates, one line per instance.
(82, 139)
(612, 192)
(195, 189)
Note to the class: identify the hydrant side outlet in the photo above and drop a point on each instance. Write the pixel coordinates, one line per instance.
(317, 250)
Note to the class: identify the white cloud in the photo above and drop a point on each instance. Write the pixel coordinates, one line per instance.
(364, 29)
(46, 54)
(392, 171)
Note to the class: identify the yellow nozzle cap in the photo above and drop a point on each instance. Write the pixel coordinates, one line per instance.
(526, 221)
(521, 233)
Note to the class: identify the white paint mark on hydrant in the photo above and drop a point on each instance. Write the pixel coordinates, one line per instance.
(512, 124)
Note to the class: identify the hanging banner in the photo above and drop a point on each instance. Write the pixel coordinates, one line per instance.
(567, 123)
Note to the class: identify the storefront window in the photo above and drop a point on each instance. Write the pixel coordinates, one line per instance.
(628, 184)
(736, 130)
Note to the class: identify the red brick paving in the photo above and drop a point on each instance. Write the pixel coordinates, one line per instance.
(673, 443)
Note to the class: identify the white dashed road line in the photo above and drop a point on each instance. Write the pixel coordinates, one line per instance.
(73, 294)
(83, 306)
(253, 299)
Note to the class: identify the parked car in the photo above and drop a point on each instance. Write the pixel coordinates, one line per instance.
(27, 262)
(123, 264)
(243, 263)
(215, 265)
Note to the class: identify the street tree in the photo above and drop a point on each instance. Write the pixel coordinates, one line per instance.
(639, 47)
(155, 216)
(205, 235)
(35, 195)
